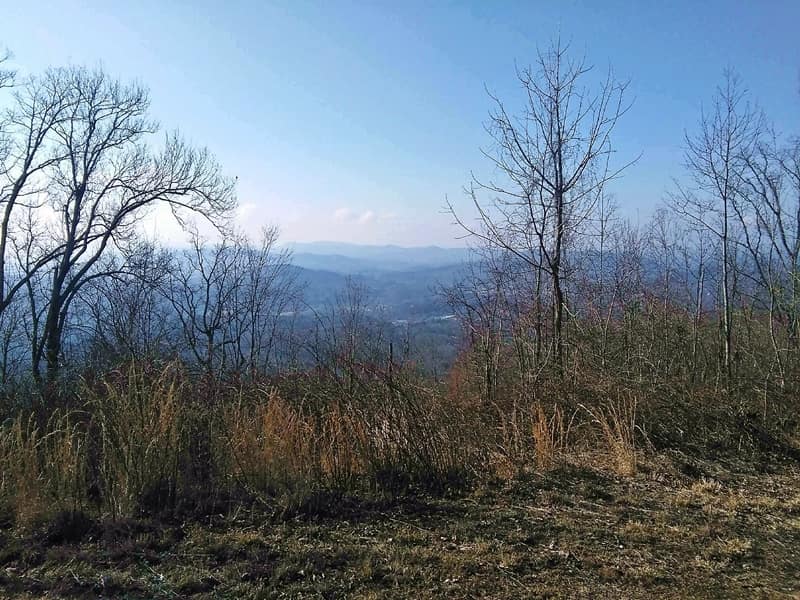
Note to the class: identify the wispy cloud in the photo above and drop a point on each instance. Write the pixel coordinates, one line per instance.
(366, 217)
(348, 216)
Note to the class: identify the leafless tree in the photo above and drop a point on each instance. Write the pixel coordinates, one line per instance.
(594, 294)
(350, 337)
(267, 295)
(201, 290)
(716, 160)
(553, 161)
(787, 226)
(229, 299)
(27, 154)
(479, 301)
(13, 343)
(6, 75)
(80, 158)
(123, 315)
(770, 218)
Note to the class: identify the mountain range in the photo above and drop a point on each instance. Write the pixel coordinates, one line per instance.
(349, 259)
(402, 281)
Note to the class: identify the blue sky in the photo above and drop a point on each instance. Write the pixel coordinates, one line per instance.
(353, 121)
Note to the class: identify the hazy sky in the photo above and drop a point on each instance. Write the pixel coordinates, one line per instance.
(353, 121)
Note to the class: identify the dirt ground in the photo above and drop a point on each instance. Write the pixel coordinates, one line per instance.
(678, 529)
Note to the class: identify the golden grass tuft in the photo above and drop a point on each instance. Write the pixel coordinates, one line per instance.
(550, 435)
(618, 428)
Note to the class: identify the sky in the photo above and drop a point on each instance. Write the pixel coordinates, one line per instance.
(357, 121)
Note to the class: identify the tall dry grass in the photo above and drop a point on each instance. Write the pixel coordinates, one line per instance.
(551, 435)
(43, 468)
(276, 448)
(148, 438)
(137, 420)
(618, 425)
(270, 446)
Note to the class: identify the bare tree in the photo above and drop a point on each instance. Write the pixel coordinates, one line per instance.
(6, 75)
(266, 296)
(716, 159)
(554, 162)
(82, 162)
(787, 227)
(230, 298)
(350, 337)
(479, 300)
(770, 219)
(13, 343)
(27, 153)
(201, 289)
(594, 293)
(124, 315)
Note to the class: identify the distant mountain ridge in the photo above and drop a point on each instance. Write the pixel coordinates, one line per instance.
(342, 257)
(402, 280)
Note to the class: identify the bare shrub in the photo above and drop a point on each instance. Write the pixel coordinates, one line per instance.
(342, 441)
(419, 436)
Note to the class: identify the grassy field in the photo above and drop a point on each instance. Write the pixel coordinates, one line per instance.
(679, 528)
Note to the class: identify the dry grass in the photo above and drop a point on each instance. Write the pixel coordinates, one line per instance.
(138, 420)
(568, 533)
(276, 448)
(150, 440)
(271, 446)
(42, 468)
(153, 439)
(399, 490)
(618, 426)
(550, 435)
